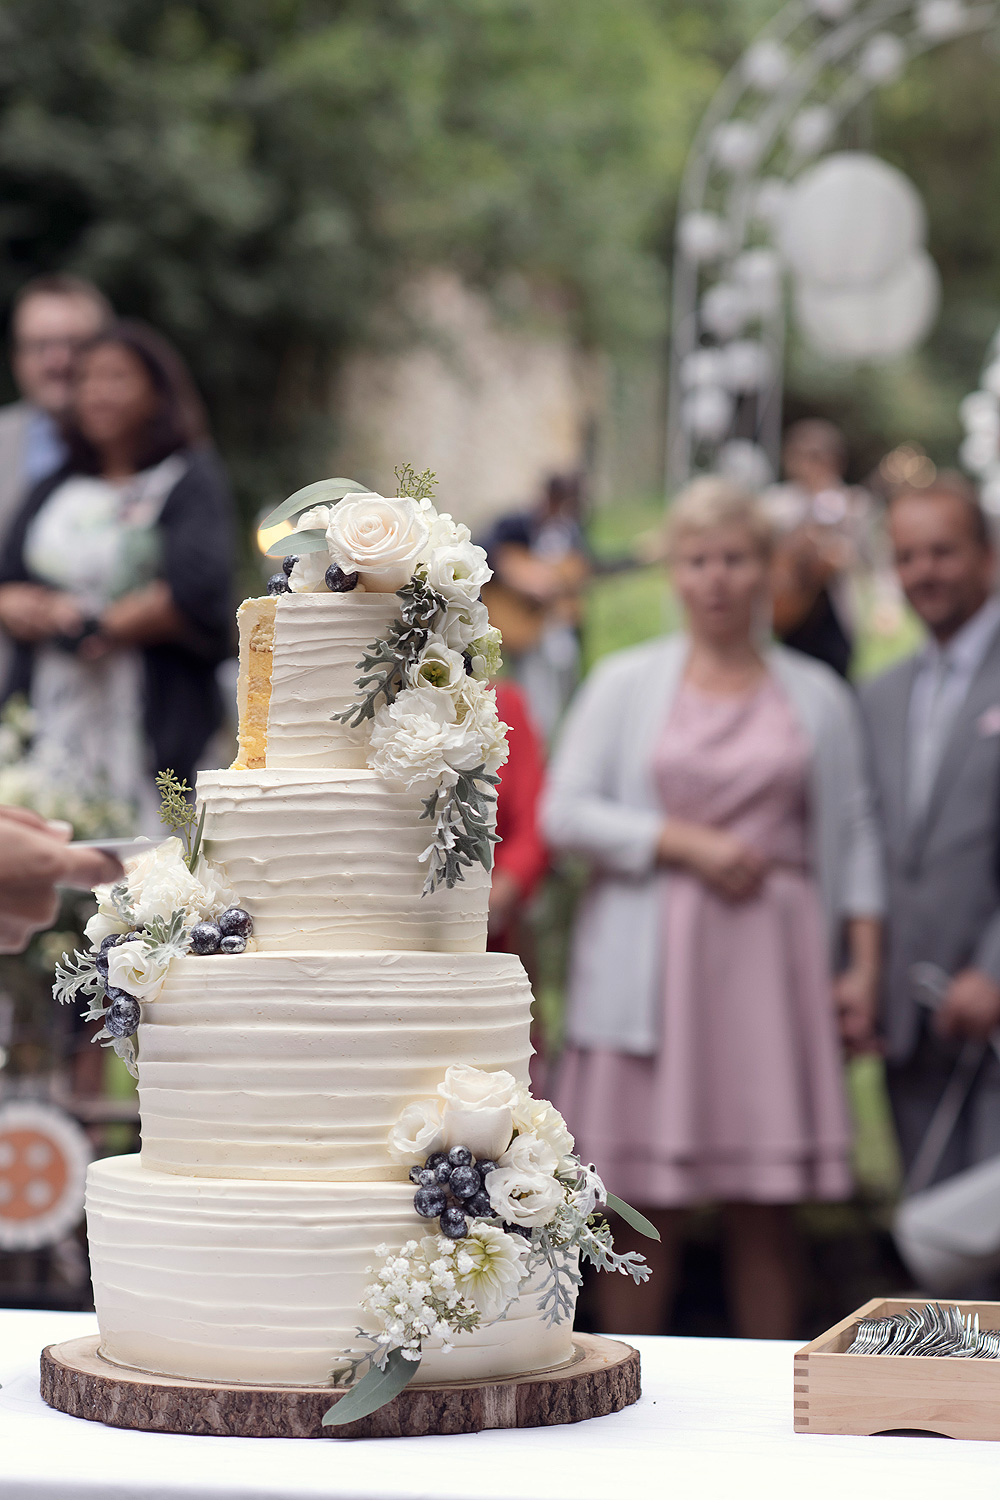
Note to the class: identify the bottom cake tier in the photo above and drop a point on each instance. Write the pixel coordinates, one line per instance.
(261, 1282)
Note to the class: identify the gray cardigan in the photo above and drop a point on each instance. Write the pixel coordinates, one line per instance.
(602, 802)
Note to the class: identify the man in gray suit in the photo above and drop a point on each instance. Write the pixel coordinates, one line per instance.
(51, 317)
(934, 729)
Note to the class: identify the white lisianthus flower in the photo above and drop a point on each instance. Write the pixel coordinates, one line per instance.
(539, 1117)
(315, 519)
(525, 1198)
(457, 572)
(485, 654)
(378, 538)
(489, 1268)
(417, 1132)
(529, 1153)
(308, 575)
(464, 622)
(443, 529)
(438, 666)
(477, 712)
(104, 922)
(132, 968)
(160, 883)
(419, 741)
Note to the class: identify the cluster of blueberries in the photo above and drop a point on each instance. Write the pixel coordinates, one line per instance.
(337, 581)
(450, 1187)
(227, 934)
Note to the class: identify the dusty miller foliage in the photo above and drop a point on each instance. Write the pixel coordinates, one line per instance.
(385, 663)
(462, 832)
(552, 1251)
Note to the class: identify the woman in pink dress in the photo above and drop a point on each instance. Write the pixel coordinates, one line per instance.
(717, 787)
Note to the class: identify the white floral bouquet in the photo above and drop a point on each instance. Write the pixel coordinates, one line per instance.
(435, 727)
(160, 911)
(515, 1208)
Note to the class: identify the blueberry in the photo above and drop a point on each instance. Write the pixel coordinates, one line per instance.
(517, 1229)
(339, 582)
(454, 1224)
(112, 941)
(235, 922)
(111, 994)
(460, 1156)
(435, 1159)
(122, 1018)
(465, 1181)
(205, 937)
(415, 1175)
(277, 584)
(442, 1172)
(482, 1167)
(430, 1201)
(233, 944)
(289, 563)
(427, 1177)
(479, 1206)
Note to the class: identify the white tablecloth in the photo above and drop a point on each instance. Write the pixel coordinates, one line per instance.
(715, 1420)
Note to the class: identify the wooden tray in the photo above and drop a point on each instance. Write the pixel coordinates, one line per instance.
(865, 1394)
(602, 1377)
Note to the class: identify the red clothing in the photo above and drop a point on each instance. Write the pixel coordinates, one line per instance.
(522, 853)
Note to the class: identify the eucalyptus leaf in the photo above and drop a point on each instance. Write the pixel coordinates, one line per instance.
(323, 492)
(633, 1216)
(297, 542)
(374, 1390)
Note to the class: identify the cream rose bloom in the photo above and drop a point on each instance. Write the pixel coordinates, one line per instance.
(477, 1110)
(489, 1268)
(417, 1132)
(438, 666)
(378, 538)
(457, 572)
(131, 968)
(418, 740)
(540, 1118)
(523, 1197)
(476, 1088)
(105, 922)
(308, 576)
(529, 1153)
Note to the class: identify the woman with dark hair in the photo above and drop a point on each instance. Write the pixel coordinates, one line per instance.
(115, 578)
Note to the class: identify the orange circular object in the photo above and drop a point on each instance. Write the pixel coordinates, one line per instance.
(33, 1173)
(43, 1166)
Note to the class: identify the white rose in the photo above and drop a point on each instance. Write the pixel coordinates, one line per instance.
(477, 1110)
(457, 572)
(476, 707)
(437, 666)
(529, 1153)
(463, 623)
(315, 519)
(378, 538)
(103, 924)
(131, 968)
(525, 1198)
(417, 1132)
(418, 740)
(539, 1117)
(489, 1268)
(467, 1087)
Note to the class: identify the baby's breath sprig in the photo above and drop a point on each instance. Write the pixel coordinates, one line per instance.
(179, 813)
(413, 485)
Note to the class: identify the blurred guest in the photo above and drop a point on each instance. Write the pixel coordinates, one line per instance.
(51, 317)
(115, 580)
(36, 858)
(541, 563)
(821, 523)
(934, 726)
(520, 859)
(717, 789)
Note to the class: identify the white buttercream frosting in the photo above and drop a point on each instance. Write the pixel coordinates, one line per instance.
(331, 860)
(262, 1282)
(297, 1065)
(318, 644)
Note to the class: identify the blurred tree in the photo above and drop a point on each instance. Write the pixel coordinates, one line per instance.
(261, 178)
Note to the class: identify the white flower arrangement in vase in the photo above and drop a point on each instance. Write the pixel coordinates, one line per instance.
(435, 728)
(516, 1209)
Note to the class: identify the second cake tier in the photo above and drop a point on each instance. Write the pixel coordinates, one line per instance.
(296, 1065)
(331, 860)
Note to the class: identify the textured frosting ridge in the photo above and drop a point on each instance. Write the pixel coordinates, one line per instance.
(318, 643)
(262, 1281)
(331, 860)
(296, 1065)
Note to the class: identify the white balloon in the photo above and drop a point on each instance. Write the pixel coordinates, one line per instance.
(882, 58)
(978, 451)
(810, 129)
(724, 309)
(746, 365)
(758, 273)
(980, 413)
(702, 367)
(766, 65)
(707, 412)
(702, 236)
(850, 219)
(737, 145)
(744, 463)
(937, 20)
(874, 322)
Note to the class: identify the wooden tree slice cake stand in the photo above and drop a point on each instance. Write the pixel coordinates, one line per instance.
(602, 1377)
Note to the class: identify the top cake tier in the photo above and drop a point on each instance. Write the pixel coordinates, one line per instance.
(299, 656)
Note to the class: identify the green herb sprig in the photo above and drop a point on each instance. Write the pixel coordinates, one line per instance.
(413, 485)
(180, 815)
